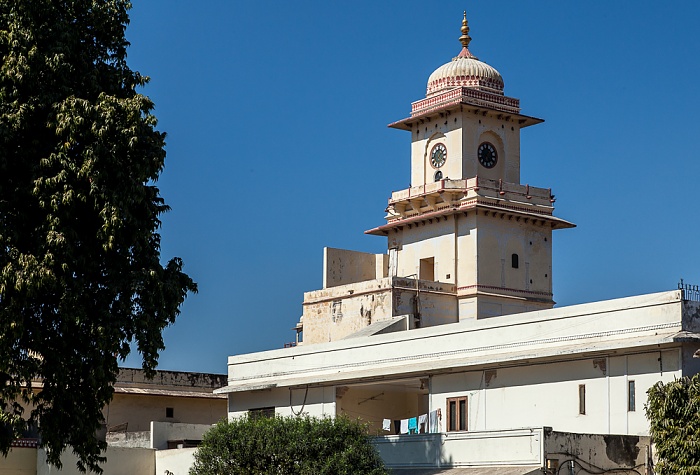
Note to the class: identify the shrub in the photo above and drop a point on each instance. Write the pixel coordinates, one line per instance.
(287, 445)
(673, 410)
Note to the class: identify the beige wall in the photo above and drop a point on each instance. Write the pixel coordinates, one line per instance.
(341, 266)
(139, 410)
(19, 461)
(461, 133)
(120, 461)
(374, 403)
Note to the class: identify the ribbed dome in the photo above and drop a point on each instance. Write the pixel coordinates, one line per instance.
(465, 71)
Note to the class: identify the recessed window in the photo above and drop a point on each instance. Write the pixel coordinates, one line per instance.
(514, 261)
(169, 412)
(631, 396)
(426, 270)
(261, 412)
(582, 399)
(438, 175)
(456, 414)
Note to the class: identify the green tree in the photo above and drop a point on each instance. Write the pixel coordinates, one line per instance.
(287, 446)
(80, 271)
(673, 410)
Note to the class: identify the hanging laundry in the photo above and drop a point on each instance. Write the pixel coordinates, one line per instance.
(404, 426)
(422, 423)
(433, 422)
(397, 427)
(413, 425)
(386, 424)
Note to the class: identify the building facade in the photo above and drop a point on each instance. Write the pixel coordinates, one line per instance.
(449, 344)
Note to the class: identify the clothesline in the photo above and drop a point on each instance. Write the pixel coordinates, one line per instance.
(429, 423)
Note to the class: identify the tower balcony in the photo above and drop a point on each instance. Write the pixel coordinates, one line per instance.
(445, 197)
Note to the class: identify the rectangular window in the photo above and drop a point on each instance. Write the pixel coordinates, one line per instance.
(261, 412)
(457, 414)
(581, 398)
(169, 412)
(631, 396)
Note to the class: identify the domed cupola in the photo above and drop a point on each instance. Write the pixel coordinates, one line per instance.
(465, 71)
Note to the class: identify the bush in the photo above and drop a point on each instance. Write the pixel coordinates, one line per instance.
(287, 445)
(673, 410)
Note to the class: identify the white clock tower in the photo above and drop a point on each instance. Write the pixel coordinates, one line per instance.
(467, 239)
(467, 219)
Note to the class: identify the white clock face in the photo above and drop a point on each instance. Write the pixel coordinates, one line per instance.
(488, 157)
(438, 155)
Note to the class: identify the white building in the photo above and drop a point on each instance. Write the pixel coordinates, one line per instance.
(453, 333)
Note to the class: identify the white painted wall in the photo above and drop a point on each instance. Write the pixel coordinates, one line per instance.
(174, 461)
(547, 394)
(162, 432)
(318, 402)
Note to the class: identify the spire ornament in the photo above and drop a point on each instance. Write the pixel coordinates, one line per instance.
(465, 39)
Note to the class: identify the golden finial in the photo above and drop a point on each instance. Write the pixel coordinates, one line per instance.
(465, 38)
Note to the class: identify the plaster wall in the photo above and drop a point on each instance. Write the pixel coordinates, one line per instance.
(372, 404)
(435, 240)
(498, 240)
(19, 461)
(602, 326)
(548, 394)
(177, 380)
(120, 461)
(139, 410)
(334, 313)
(318, 402)
(337, 312)
(461, 133)
(162, 432)
(342, 266)
(174, 461)
(464, 449)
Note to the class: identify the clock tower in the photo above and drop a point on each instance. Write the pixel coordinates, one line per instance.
(466, 240)
(466, 219)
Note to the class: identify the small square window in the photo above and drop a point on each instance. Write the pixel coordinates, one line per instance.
(169, 412)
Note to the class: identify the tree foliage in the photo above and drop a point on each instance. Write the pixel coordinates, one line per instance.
(287, 446)
(673, 410)
(80, 270)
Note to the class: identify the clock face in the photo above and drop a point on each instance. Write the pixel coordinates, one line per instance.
(438, 155)
(487, 154)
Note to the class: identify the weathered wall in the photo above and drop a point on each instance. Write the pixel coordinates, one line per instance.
(138, 410)
(342, 266)
(162, 432)
(140, 439)
(180, 380)
(332, 314)
(597, 453)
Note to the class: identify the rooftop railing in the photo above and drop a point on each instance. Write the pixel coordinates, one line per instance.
(690, 292)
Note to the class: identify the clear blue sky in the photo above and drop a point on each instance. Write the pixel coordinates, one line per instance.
(277, 145)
